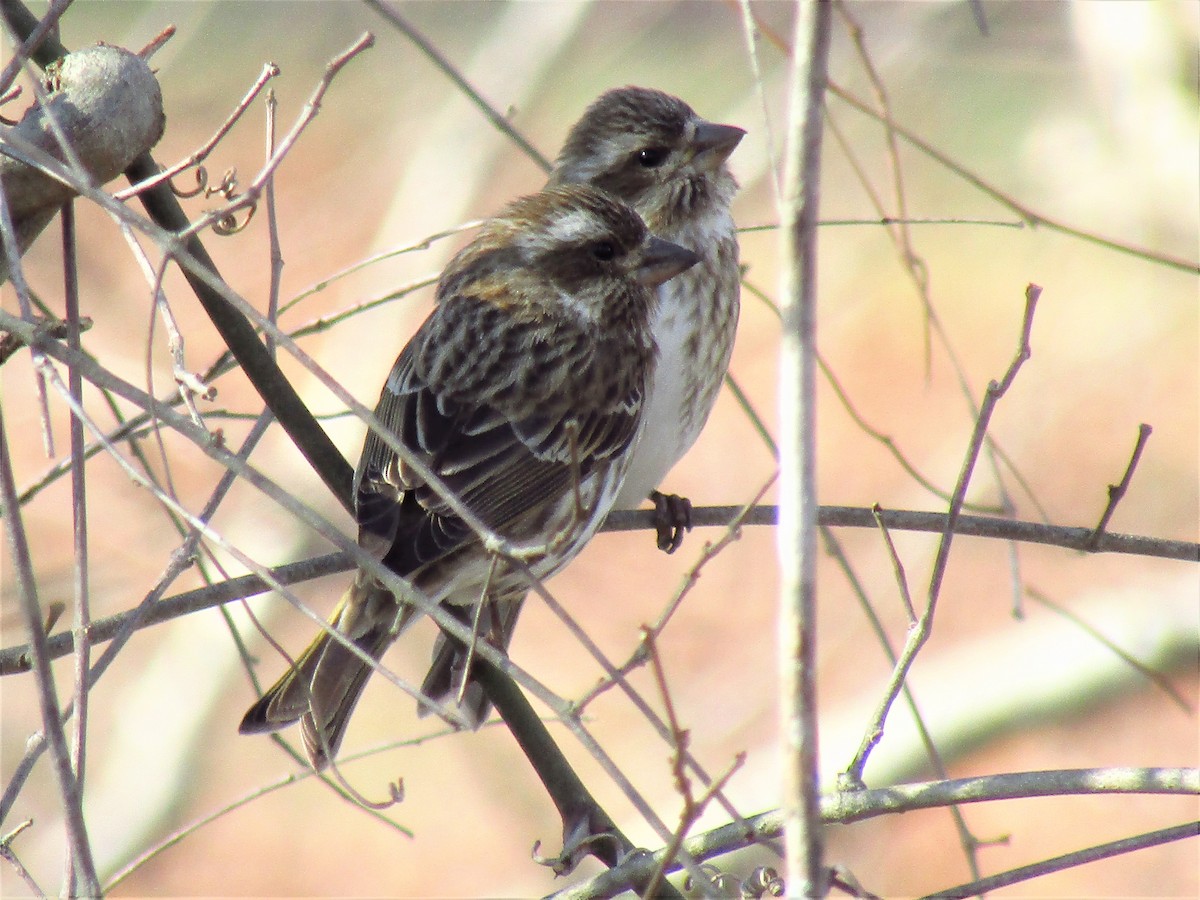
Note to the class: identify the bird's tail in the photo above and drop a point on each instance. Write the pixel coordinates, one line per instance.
(323, 686)
(446, 677)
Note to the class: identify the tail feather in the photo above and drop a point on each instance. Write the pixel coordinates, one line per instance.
(446, 679)
(323, 687)
(334, 691)
(287, 699)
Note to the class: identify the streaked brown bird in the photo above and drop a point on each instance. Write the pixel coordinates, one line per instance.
(654, 152)
(524, 392)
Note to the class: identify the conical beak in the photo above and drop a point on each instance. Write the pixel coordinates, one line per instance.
(713, 143)
(663, 260)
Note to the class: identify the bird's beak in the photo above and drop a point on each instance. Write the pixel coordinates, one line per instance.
(663, 260)
(713, 143)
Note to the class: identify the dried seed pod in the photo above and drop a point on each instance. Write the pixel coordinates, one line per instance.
(108, 104)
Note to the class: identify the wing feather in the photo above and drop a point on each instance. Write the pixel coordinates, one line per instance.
(506, 465)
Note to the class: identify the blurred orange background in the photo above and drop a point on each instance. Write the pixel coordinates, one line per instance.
(1085, 113)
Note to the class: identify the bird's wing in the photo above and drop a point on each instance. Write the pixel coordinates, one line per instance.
(505, 459)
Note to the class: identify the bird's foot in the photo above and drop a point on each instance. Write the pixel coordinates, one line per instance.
(672, 517)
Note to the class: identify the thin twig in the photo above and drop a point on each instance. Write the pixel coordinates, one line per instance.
(981, 886)
(898, 227)
(76, 827)
(167, 481)
(751, 33)
(157, 42)
(1155, 678)
(693, 807)
(501, 124)
(760, 426)
(294, 778)
(897, 566)
(1116, 492)
(82, 604)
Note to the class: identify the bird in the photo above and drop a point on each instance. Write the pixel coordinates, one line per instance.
(651, 150)
(524, 393)
(654, 152)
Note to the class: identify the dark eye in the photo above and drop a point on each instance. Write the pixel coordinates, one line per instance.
(652, 157)
(603, 250)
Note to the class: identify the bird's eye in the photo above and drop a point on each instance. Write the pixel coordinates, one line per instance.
(603, 250)
(652, 157)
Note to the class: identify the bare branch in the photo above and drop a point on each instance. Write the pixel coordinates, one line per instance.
(855, 806)
(804, 847)
(1027, 213)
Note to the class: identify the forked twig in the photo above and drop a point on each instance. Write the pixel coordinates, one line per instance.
(918, 635)
(9, 855)
(249, 199)
(270, 70)
(968, 840)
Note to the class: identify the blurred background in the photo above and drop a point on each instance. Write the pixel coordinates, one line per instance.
(1084, 113)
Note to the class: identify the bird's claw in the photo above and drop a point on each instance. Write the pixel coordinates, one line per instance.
(672, 517)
